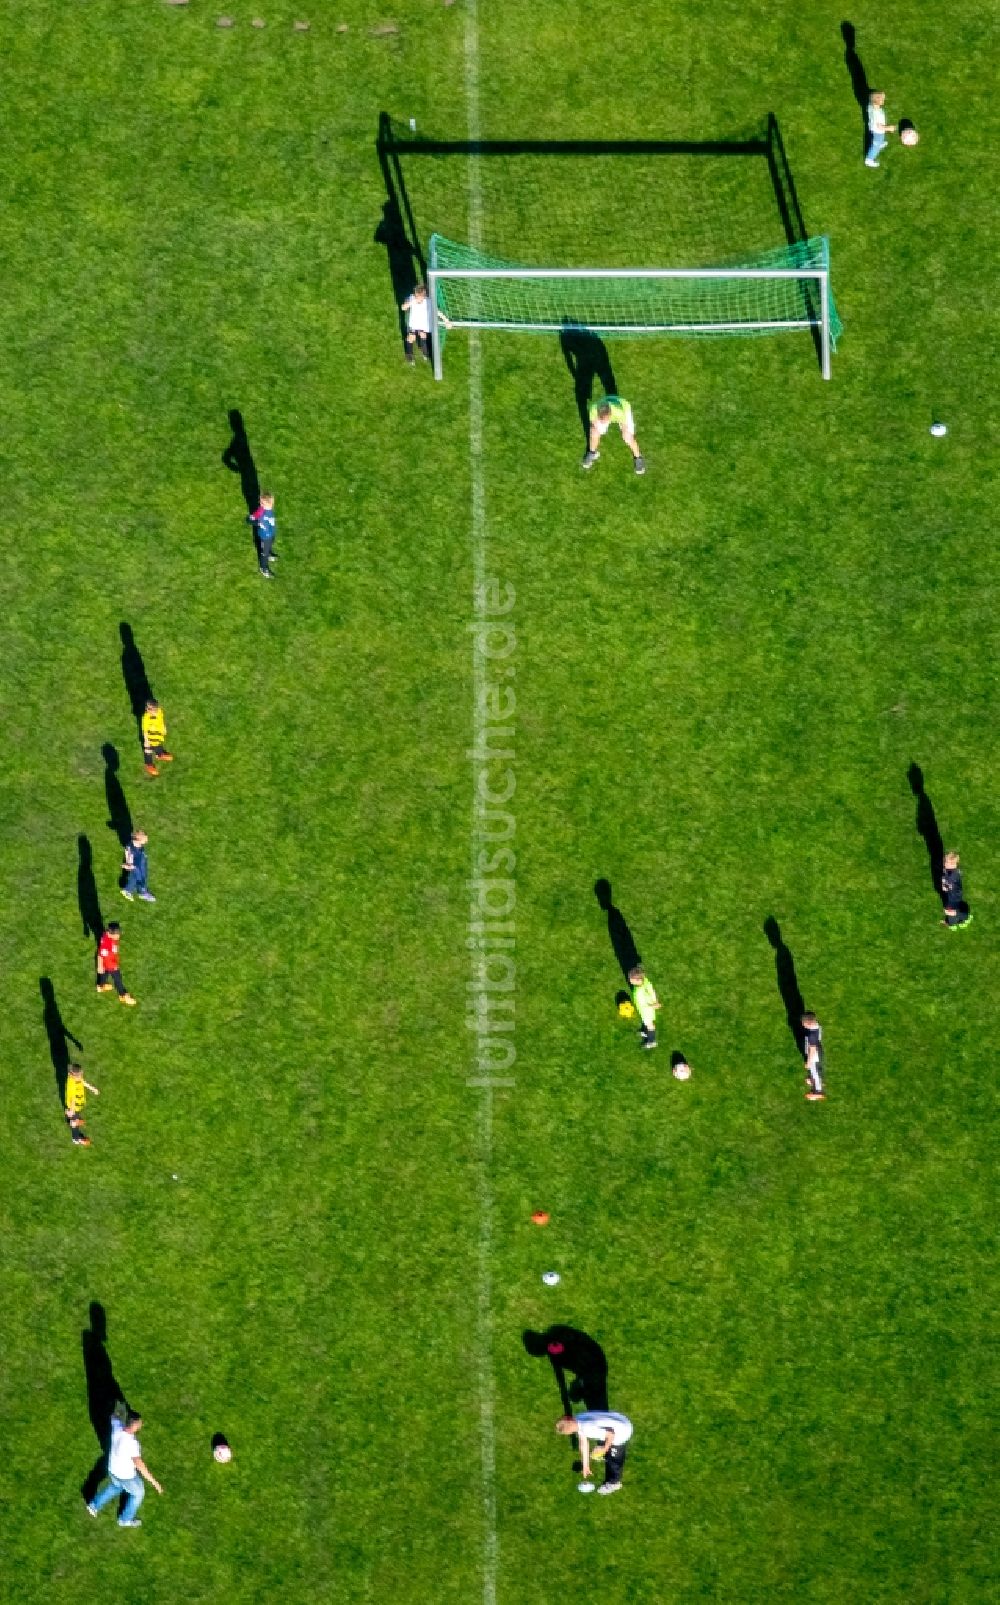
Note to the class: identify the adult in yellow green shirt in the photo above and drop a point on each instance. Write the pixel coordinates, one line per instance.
(603, 413)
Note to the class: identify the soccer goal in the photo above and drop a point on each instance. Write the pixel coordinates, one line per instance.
(771, 292)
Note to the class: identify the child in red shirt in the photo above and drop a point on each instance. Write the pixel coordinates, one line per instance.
(108, 971)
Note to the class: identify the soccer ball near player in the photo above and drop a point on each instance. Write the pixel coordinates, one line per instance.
(626, 1010)
(908, 136)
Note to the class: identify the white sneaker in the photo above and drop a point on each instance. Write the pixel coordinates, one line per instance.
(870, 164)
(91, 1510)
(135, 1523)
(609, 1487)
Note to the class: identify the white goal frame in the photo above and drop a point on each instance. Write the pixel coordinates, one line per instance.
(820, 275)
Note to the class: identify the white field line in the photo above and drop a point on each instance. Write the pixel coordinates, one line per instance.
(484, 1344)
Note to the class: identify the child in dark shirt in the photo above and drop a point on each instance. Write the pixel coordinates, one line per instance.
(136, 869)
(266, 525)
(956, 911)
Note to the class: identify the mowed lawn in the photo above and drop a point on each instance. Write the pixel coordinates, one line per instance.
(724, 672)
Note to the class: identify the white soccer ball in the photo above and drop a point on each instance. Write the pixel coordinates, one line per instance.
(550, 1278)
(682, 1072)
(939, 430)
(222, 1453)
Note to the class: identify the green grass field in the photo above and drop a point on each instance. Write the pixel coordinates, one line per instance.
(723, 672)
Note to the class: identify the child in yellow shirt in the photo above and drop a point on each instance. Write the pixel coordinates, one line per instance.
(75, 1098)
(154, 737)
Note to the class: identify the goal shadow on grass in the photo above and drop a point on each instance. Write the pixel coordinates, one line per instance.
(400, 235)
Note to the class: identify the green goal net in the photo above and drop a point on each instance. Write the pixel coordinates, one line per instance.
(768, 292)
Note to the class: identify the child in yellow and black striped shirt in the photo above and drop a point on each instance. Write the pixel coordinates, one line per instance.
(154, 737)
(75, 1098)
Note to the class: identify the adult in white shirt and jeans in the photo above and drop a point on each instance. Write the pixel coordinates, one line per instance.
(126, 1470)
(606, 1428)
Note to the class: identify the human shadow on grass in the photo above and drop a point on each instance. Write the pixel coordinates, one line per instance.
(238, 458)
(403, 257)
(859, 78)
(927, 826)
(119, 814)
(104, 1394)
(86, 891)
(572, 1353)
(134, 674)
(587, 359)
(788, 986)
(58, 1035)
(621, 938)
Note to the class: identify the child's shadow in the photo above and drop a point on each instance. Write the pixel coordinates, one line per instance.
(587, 358)
(621, 938)
(403, 262)
(927, 826)
(58, 1036)
(134, 675)
(119, 815)
(238, 458)
(858, 76)
(788, 986)
(86, 891)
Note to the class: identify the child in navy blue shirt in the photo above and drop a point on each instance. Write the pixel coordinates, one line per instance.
(266, 526)
(957, 913)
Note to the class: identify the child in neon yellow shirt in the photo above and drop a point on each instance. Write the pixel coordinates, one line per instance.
(646, 1004)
